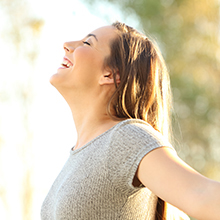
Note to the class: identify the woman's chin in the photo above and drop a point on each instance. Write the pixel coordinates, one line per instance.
(55, 79)
(59, 76)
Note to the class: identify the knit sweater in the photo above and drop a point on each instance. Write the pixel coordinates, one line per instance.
(96, 181)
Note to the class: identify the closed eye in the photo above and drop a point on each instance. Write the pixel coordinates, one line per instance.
(85, 42)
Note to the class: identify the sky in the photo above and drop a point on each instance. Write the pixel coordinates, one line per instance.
(50, 124)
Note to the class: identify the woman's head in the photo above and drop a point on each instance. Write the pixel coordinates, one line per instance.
(82, 69)
(119, 55)
(144, 88)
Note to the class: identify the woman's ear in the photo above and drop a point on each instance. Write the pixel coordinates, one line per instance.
(107, 78)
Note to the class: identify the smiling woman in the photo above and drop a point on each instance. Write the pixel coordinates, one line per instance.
(122, 165)
(83, 64)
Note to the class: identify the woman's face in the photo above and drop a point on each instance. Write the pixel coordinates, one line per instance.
(83, 62)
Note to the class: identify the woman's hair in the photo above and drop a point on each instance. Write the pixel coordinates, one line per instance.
(144, 88)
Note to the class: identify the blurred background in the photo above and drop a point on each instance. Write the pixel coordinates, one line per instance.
(36, 126)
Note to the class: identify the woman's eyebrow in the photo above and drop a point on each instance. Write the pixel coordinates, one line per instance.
(93, 35)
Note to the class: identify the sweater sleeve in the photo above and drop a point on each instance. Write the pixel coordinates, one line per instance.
(130, 143)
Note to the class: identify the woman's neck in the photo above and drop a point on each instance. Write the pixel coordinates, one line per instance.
(91, 120)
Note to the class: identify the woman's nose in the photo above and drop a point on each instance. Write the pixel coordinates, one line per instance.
(69, 47)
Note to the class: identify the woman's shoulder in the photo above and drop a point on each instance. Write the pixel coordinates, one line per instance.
(138, 132)
(133, 127)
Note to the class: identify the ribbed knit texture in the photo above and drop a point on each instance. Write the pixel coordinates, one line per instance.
(96, 181)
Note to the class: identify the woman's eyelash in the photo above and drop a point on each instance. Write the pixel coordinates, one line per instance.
(85, 42)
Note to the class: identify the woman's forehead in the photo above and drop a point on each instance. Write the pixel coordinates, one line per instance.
(106, 32)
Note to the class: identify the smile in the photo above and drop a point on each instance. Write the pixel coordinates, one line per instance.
(66, 63)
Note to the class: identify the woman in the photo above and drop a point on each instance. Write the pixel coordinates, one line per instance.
(116, 84)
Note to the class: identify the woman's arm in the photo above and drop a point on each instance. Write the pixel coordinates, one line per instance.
(171, 179)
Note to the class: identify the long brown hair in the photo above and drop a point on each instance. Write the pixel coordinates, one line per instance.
(144, 88)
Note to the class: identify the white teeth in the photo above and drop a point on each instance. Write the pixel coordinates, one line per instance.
(66, 64)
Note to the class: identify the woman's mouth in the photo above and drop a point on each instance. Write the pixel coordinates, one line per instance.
(66, 63)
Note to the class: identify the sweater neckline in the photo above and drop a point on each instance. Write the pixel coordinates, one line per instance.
(94, 139)
(72, 152)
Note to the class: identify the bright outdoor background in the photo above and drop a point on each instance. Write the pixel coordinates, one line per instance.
(36, 126)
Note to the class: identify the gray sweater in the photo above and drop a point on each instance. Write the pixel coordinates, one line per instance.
(96, 181)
